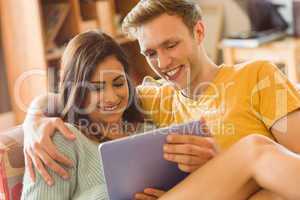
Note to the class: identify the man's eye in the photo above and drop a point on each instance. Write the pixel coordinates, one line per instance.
(172, 45)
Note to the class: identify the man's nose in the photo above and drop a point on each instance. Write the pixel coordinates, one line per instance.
(164, 61)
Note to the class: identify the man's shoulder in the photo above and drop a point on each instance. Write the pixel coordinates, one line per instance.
(249, 71)
(253, 66)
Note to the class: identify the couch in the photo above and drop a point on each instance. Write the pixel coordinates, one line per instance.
(11, 163)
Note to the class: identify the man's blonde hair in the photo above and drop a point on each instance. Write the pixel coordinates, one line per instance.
(147, 10)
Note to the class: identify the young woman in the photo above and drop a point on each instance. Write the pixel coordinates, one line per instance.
(96, 99)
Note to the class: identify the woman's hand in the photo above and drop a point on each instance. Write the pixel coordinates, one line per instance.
(40, 151)
(149, 194)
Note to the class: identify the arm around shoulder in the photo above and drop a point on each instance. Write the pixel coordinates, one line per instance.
(61, 189)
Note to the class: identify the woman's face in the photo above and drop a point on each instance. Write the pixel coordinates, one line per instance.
(109, 98)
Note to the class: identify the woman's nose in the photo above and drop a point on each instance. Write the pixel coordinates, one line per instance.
(110, 96)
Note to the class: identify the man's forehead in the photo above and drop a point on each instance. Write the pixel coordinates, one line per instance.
(153, 39)
(159, 30)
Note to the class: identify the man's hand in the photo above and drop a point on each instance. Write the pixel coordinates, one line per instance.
(190, 152)
(149, 194)
(41, 151)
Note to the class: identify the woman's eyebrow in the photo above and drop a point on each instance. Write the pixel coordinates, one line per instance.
(97, 82)
(118, 77)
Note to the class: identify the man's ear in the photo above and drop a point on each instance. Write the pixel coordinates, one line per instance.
(199, 31)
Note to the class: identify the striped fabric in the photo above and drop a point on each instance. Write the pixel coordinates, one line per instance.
(86, 182)
(87, 179)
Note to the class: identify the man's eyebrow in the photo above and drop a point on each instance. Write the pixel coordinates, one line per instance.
(164, 43)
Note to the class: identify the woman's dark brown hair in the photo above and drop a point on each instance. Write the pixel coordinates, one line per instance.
(80, 59)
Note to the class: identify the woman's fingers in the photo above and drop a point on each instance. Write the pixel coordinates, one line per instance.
(154, 192)
(142, 196)
(28, 164)
(40, 167)
(50, 163)
(149, 194)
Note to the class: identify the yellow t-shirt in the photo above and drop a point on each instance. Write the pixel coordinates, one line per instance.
(242, 99)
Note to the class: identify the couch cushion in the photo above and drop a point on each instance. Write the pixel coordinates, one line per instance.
(11, 164)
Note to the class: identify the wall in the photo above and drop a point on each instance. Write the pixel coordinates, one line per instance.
(4, 97)
(232, 9)
(6, 116)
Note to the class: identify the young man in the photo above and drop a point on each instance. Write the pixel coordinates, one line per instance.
(235, 101)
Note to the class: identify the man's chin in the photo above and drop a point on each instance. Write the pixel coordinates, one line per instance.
(179, 85)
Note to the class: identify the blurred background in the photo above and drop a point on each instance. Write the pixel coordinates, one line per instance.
(34, 33)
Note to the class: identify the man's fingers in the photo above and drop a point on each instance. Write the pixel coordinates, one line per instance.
(188, 149)
(56, 155)
(51, 163)
(154, 192)
(187, 168)
(185, 159)
(142, 196)
(40, 167)
(28, 164)
(204, 126)
(63, 129)
(207, 142)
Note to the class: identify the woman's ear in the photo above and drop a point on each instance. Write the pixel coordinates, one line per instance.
(199, 31)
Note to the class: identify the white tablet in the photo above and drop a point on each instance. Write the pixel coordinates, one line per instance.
(136, 162)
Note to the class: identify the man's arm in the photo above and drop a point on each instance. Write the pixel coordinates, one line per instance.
(39, 149)
(62, 189)
(287, 131)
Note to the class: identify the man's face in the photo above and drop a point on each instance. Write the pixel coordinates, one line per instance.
(170, 49)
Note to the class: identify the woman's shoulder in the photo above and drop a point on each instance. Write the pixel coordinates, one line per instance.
(75, 130)
(72, 147)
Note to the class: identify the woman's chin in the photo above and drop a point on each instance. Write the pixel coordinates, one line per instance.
(114, 119)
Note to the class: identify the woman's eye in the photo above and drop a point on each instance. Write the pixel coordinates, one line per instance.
(97, 87)
(119, 84)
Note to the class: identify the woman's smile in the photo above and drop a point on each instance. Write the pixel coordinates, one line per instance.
(109, 108)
